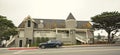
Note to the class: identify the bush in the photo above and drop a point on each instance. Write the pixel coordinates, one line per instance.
(101, 42)
(40, 40)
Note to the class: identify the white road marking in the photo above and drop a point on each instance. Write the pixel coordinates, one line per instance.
(18, 52)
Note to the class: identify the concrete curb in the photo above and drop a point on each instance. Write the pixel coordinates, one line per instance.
(22, 48)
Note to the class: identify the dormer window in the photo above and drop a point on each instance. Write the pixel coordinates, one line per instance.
(29, 23)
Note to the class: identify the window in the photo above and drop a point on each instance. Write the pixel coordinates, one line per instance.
(29, 23)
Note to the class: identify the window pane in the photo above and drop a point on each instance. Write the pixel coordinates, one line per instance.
(29, 23)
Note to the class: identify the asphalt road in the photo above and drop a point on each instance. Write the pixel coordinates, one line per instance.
(113, 50)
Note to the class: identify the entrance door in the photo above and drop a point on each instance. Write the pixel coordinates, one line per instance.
(30, 42)
(20, 43)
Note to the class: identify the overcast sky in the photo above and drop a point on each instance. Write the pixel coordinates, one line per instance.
(17, 10)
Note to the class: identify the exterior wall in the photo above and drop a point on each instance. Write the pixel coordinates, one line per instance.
(71, 23)
(83, 34)
(66, 35)
(28, 33)
(29, 30)
(21, 37)
(66, 38)
(49, 34)
(17, 42)
(72, 36)
(21, 34)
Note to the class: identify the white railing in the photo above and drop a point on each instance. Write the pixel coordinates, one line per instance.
(80, 38)
(10, 40)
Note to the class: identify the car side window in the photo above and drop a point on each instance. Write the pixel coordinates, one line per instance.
(53, 41)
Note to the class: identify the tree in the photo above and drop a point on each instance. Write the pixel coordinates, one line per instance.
(106, 21)
(7, 28)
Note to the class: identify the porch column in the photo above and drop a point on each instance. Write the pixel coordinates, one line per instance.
(69, 33)
(56, 31)
(87, 36)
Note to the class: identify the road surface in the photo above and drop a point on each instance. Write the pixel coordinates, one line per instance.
(113, 50)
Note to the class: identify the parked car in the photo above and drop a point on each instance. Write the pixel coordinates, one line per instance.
(51, 43)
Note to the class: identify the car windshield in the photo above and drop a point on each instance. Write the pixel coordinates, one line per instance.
(51, 41)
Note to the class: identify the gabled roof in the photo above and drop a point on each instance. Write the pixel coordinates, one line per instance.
(25, 19)
(83, 24)
(52, 23)
(70, 16)
(56, 23)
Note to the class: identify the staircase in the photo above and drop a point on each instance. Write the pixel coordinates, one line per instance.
(80, 38)
(11, 40)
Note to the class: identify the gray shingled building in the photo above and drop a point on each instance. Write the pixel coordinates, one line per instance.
(68, 31)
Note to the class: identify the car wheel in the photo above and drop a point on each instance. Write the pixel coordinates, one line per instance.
(43, 47)
(57, 46)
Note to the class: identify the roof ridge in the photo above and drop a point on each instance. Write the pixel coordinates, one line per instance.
(47, 19)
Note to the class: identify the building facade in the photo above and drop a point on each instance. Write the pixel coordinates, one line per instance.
(69, 31)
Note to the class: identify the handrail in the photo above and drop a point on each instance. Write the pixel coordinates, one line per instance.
(80, 38)
(11, 40)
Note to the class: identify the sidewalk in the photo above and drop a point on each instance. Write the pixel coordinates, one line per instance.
(69, 46)
(93, 45)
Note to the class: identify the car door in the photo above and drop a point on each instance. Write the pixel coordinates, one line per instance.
(50, 44)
